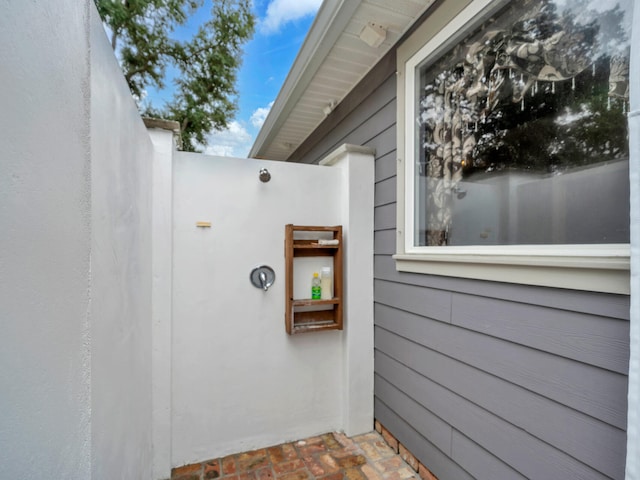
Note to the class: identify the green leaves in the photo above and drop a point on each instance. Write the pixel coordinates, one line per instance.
(205, 92)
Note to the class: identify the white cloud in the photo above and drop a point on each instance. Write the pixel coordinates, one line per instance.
(280, 12)
(260, 115)
(235, 141)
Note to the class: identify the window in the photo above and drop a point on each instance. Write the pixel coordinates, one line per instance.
(515, 154)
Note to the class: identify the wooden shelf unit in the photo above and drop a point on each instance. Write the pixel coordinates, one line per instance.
(303, 314)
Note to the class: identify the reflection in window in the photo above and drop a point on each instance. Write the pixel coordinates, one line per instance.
(522, 129)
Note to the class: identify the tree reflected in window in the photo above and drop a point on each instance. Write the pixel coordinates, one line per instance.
(523, 132)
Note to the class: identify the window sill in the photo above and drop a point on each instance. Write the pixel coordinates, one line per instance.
(608, 274)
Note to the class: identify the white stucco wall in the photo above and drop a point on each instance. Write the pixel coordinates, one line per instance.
(77, 177)
(238, 380)
(356, 165)
(45, 228)
(75, 347)
(121, 179)
(162, 268)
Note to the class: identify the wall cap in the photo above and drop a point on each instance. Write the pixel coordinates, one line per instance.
(170, 125)
(344, 150)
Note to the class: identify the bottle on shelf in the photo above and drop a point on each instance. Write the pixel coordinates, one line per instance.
(326, 281)
(315, 287)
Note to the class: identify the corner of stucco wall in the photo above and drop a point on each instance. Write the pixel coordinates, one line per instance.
(121, 275)
(358, 167)
(163, 136)
(45, 346)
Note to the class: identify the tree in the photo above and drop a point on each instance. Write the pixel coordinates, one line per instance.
(207, 64)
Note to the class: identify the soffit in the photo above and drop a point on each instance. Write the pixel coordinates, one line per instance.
(331, 62)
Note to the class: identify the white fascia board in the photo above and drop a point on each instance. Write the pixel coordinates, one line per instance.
(331, 20)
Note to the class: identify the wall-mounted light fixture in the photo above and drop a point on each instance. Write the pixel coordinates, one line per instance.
(373, 34)
(329, 107)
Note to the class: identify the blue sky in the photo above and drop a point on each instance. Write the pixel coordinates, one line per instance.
(281, 29)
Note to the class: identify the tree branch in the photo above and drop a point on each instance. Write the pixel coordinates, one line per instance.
(114, 40)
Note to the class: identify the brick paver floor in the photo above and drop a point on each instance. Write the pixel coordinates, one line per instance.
(332, 456)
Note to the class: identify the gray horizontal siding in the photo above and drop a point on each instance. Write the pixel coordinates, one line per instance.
(613, 306)
(482, 379)
(372, 124)
(384, 242)
(386, 166)
(414, 440)
(471, 457)
(384, 217)
(594, 391)
(385, 192)
(590, 339)
(577, 434)
(513, 446)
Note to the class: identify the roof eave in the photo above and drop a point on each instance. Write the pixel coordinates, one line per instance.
(329, 23)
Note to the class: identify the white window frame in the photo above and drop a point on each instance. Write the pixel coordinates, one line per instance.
(602, 268)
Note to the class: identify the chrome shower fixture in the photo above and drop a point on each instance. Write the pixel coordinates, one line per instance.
(265, 176)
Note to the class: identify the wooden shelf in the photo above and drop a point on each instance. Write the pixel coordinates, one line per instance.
(307, 302)
(311, 244)
(304, 249)
(305, 314)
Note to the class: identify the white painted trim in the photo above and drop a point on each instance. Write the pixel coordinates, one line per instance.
(603, 268)
(633, 413)
(573, 253)
(611, 261)
(633, 409)
(609, 276)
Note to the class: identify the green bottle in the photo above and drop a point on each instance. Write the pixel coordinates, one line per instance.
(315, 287)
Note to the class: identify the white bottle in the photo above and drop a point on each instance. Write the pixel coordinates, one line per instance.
(326, 284)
